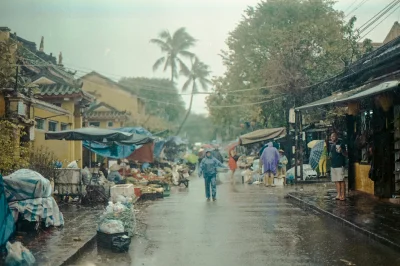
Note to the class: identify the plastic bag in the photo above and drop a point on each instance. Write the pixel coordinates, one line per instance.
(111, 227)
(73, 164)
(18, 255)
(119, 207)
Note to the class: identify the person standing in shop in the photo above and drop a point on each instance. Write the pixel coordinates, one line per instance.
(338, 155)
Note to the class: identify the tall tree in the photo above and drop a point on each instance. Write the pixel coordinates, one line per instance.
(174, 47)
(291, 44)
(198, 74)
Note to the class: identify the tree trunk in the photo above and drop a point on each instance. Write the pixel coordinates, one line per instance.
(188, 111)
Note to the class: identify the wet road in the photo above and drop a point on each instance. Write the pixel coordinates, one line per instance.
(248, 225)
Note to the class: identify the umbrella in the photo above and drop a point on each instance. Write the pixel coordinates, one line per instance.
(312, 143)
(231, 146)
(316, 153)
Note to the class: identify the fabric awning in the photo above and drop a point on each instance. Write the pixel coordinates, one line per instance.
(352, 95)
(262, 135)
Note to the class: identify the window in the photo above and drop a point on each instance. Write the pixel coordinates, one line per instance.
(110, 124)
(53, 126)
(94, 124)
(39, 123)
(64, 126)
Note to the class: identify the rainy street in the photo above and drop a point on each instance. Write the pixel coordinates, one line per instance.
(247, 225)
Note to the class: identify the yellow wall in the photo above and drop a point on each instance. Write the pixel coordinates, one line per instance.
(65, 151)
(112, 95)
(61, 148)
(363, 183)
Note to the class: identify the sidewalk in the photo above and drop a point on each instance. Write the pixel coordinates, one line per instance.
(377, 219)
(58, 246)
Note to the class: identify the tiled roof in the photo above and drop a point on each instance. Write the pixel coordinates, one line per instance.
(111, 113)
(59, 90)
(106, 115)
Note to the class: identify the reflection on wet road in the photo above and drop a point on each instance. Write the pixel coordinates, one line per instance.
(248, 225)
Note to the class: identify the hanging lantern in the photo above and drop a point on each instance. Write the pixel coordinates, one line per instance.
(384, 101)
(353, 108)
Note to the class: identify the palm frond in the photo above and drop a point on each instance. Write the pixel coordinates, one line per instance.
(158, 63)
(186, 85)
(205, 83)
(186, 54)
(163, 45)
(184, 70)
(166, 36)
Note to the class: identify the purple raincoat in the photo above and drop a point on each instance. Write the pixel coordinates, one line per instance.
(270, 158)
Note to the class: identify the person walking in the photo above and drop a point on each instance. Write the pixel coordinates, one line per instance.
(338, 155)
(270, 160)
(208, 168)
(233, 157)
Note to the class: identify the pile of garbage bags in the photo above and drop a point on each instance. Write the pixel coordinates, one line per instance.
(118, 217)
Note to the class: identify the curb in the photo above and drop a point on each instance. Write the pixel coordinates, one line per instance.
(79, 251)
(305, 205)
(84, 247)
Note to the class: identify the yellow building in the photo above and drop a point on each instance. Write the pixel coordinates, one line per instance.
(105, 116)
(57, 101)
(122, 99)
(114, 95)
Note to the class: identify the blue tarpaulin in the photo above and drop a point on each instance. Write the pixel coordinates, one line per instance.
(114, 150)
(6, 218)
(158, 146)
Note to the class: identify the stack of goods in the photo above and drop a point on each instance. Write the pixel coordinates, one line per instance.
(117, 225)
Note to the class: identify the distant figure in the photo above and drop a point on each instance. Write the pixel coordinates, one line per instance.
(233, 157)
(283, 161)
(104, 170)
(270, 160)
(208, 168)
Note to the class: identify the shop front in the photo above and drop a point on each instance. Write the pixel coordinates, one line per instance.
(372, 115)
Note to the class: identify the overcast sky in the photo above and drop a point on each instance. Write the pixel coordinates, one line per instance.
(112, 36)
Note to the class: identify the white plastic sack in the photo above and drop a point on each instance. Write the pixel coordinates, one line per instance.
(73, 164)
(111, 227)
(18, 255)
(119, 207)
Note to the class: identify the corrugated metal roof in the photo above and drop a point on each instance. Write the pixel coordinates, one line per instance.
(352, 95)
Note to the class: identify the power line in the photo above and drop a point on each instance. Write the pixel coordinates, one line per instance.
(244, 104)
(380, 22)
(350, 6)
(378, 16)
(357, 7)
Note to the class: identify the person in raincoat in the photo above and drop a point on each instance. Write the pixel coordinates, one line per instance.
(208, 168)
(270, 160)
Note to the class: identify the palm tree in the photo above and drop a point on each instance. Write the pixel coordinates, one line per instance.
(173, 47)
(198, 74)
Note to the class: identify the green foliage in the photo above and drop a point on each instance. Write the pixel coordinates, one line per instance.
(175, 47)
(161, 92)
(7, 60)
(199, 128)
(43, 161)
(196, 76)
(13, 156)
(288, 43)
